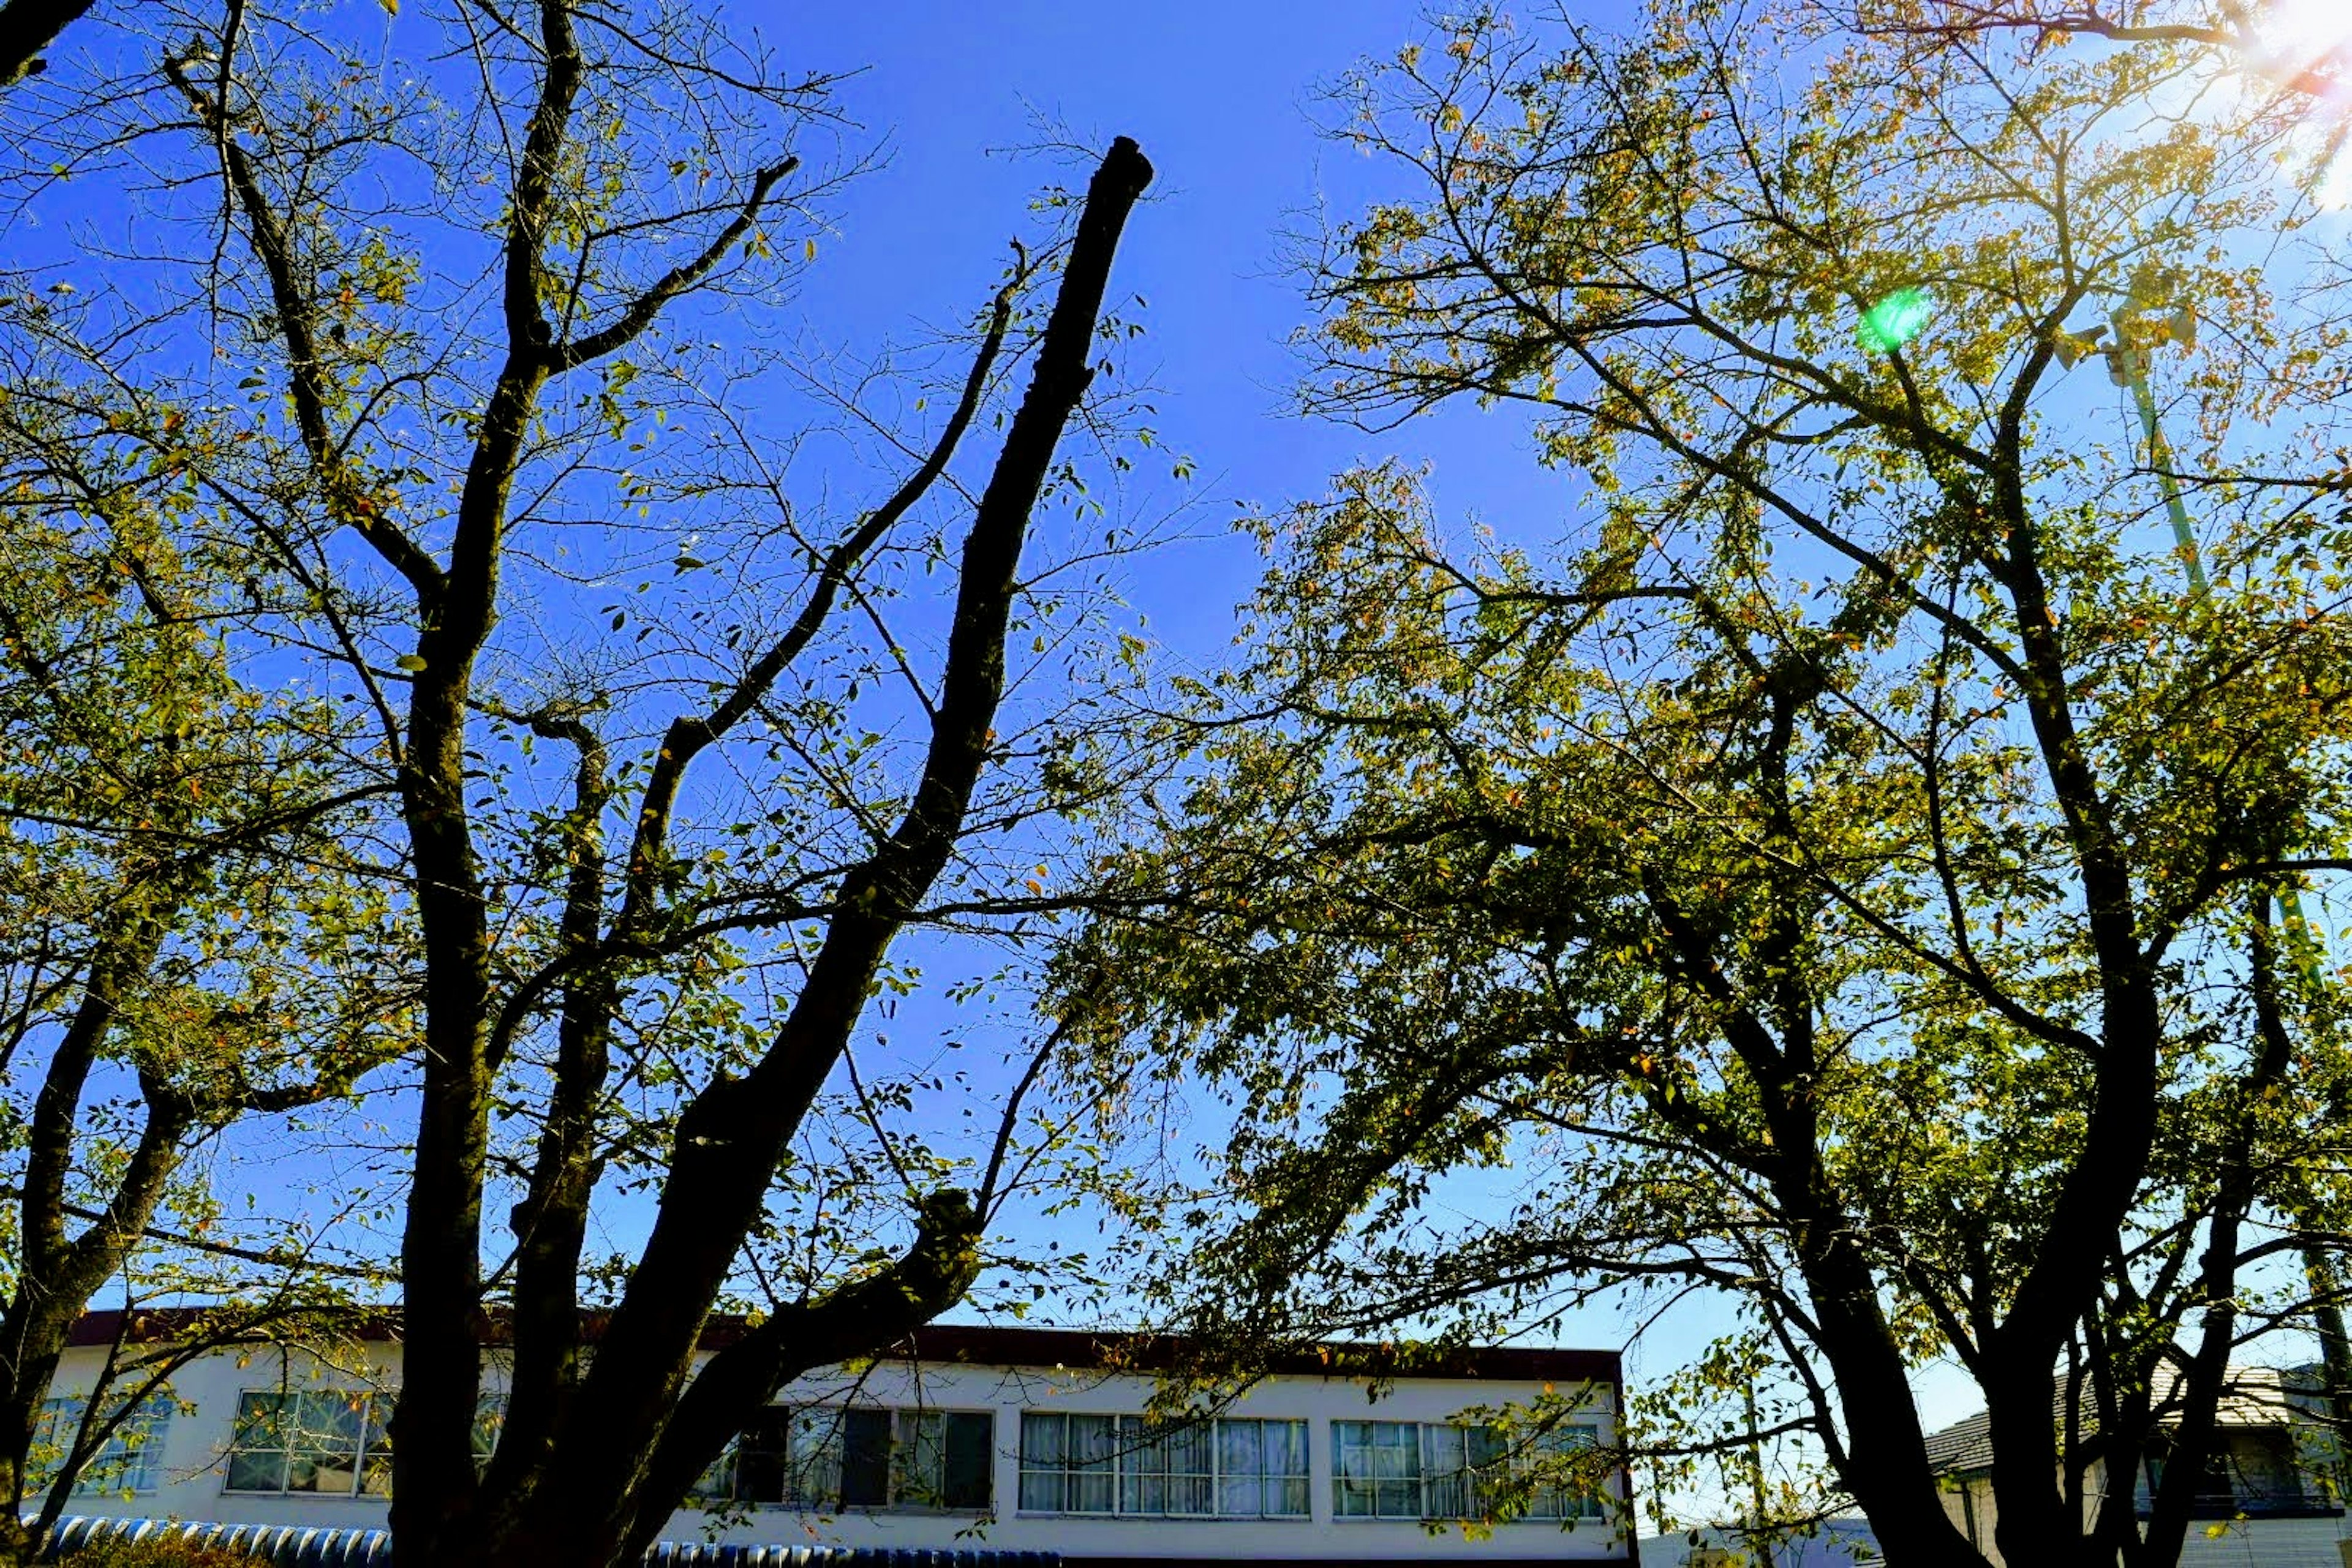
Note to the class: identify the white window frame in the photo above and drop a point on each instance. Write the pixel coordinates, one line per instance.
(1447, 1476)
(1138, 1468)
(1561, 1502)
(816, 1450)
(127, 1462)
(371, 1450)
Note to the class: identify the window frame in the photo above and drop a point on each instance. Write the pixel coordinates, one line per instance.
(1458, 1458)
(134, 1451)
(814, 1462)
(370, 1451)
(1190, 1454)
(1567, 1506)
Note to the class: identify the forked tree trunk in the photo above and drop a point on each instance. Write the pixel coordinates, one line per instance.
(614, 1449)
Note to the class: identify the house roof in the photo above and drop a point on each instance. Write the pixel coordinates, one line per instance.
(988, 1344)
(2254, 1396)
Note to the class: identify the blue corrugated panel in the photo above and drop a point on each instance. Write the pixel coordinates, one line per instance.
(291, 1546)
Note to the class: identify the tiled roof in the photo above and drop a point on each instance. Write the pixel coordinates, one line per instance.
(2254, 1396)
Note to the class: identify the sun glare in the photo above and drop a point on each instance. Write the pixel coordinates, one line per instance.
(2305, 48)
(2308, 36)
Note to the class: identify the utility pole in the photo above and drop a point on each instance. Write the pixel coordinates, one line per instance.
(1759, 1539)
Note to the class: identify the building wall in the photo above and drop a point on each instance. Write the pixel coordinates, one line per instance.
(191, 1472)
(2240, 1543)
(2266, 1544)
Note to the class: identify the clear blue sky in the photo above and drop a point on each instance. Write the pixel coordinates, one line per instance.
(1224, 97)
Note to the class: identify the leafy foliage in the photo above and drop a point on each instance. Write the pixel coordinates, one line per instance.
(166, 1552)
(1838, 875)
(669, 674)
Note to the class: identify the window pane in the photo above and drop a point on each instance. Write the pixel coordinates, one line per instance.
(716, 1484)
(970, 1458)
(1042, 1440)
(865, 1458)
(812, 1468)
(761, 1458)
(257, 1470)
(916, 1459)
(1069, 1463)
(257, 1424)
(323, 1449)
(331, 1421)
(375, 1470)
(1287, 1498)
(1239, 1466)
(304, 1473)
(1044, 1446)
(1190, 1450)
(490, 1420)
(1090, 1491)
(128, 1460)
(1140, 1452)
(1093, 1442)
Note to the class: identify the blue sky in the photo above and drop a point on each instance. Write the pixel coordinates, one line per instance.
(1224, 97)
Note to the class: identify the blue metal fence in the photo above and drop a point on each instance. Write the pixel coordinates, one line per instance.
(293, 1546)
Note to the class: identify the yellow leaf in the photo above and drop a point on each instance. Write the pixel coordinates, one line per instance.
(809, 250)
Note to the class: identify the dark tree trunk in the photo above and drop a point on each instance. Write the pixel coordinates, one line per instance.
(28, 26)
(608, 1454)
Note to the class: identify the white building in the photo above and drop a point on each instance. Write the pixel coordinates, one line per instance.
(2267, 1497)
(1006, 1439)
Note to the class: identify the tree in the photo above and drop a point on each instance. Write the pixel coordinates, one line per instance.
(2301, 53)
(1838, 877)
(187, 939)
(28, 26)
(663, 1016)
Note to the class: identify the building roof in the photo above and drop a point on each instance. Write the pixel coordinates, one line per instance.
(989, 1344)
(2254, 1396)
(1839, 1543)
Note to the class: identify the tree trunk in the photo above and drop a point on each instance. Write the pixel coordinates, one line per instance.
(623, 1447)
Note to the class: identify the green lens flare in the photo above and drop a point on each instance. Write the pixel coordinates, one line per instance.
(1895, 319)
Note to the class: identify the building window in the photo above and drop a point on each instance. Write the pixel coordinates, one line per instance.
(837, 1456)
(1376, 1469)
(1558, 1495)
(1068, 1463)
(490, 1420)
(329, 1441)
(1225, 1469)
(1262, 1470)
(1408, 1469)
(131, 1460)
(944, 1460)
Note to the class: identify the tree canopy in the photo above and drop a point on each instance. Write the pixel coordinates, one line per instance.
(553, 693)
(1841, 871)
